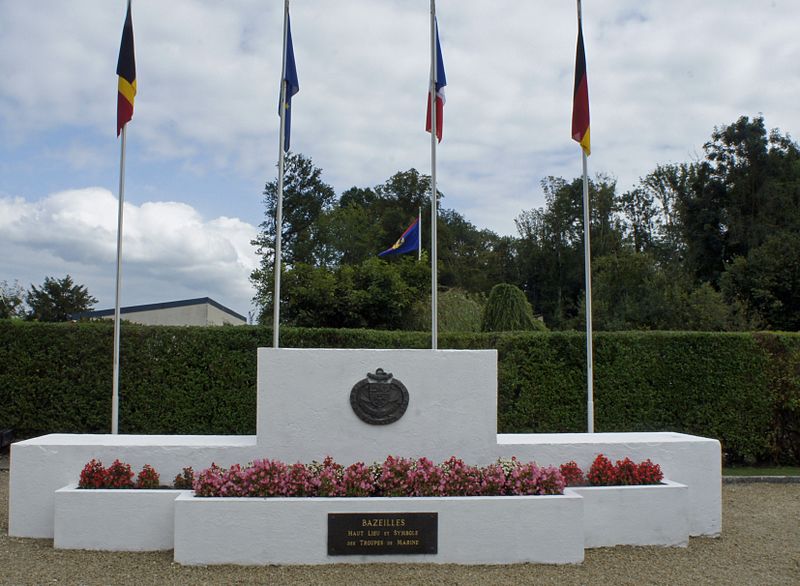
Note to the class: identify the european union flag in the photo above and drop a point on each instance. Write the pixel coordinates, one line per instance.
(292, 85)
(408, 242)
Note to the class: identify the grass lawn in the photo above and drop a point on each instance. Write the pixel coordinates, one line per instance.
(762, 471)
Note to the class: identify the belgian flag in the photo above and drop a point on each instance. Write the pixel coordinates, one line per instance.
(126, 70)
(580, 103)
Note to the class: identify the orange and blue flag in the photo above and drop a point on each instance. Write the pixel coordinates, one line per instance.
(440, 81)
(292, 85)
(126, 70)
(408, 242)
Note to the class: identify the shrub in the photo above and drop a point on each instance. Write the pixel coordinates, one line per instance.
(301, 480)
(626, 472)
(649, 473)
(573, 475)
(357, 480)
(193, 380)
(395, 479)
(530, 479)
(329, 477)
(119, 475)
(460, 479)
(602, 472)
(209, 481)
(184, 480)
(493, 480)
(427, 479)
(508, 310)
(93, 475)
(147, 477)
(459, 311)
(266, 478)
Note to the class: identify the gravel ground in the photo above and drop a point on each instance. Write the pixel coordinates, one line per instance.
(760, 544)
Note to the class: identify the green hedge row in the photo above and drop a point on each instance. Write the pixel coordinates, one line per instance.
(743, 389)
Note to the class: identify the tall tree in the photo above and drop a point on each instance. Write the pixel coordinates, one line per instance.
(12, 298)
(57, 300)
(551, 246)
(305, 199)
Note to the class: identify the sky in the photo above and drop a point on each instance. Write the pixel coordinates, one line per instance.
(204, 137)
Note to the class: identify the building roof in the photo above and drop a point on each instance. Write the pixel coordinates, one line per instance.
(155, 306)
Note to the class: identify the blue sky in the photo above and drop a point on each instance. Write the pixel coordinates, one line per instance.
(203, 140)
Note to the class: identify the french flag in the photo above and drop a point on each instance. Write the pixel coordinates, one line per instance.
(441, 81)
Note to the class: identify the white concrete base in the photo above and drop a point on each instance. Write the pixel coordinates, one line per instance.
(42, 465)
(115, 520)
(304, 410)
(635, 515)
(471, 530)
(688, 459)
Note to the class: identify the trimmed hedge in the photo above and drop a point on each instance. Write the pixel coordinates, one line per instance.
(742, 388)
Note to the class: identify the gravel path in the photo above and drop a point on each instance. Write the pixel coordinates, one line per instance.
(760, 544)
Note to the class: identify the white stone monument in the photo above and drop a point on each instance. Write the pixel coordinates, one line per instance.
(305, 413)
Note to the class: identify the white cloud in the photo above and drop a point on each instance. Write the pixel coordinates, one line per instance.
(661, 76)
(169, 251)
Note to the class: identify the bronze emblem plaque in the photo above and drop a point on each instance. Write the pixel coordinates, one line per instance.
(379, 399)
(382, 533)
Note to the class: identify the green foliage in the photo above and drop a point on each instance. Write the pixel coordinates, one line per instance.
(458, 312)
(375, 293)
(507, 310)
(11, 300)
(767, 282)
(784, 382)
(743, 389)
(57, 300)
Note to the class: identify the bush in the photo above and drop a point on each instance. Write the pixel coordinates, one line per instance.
(458, 312)
(508, 310)
(741, 388)
(147, 478)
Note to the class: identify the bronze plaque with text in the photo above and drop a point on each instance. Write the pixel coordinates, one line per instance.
(382, 533)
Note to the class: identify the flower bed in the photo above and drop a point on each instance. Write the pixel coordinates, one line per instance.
(635, 515)
(506, 512)
(395, 477)
(114, 519)
(470, 530)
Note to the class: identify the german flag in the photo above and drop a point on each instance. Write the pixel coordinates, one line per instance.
(126, 70)
(580, 101)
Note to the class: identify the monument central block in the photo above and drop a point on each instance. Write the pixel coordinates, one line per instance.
(306, 410)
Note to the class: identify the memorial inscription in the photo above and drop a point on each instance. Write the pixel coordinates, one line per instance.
(382, 533)
(379, 399)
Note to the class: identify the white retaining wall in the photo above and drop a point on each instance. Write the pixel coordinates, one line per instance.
(635, 515)
(115, 520)
(42, 465)
(471, 530)
(688, 459)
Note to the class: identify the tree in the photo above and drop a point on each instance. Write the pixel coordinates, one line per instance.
(372, 294)
(744, 192)
(767, 282)
(11, 300)
(508, 310)
(57, 300)
(551, 244)
(305, 198)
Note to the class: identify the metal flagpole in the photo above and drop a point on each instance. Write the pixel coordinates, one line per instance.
(419, 234)
(587, 252)
(588, 279)
(432, 98)
(115, 384)
(276, 300)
